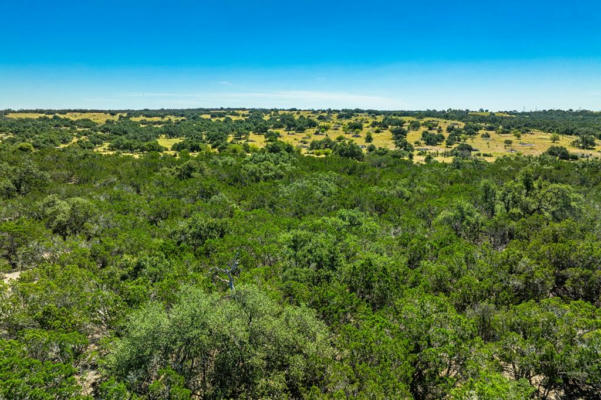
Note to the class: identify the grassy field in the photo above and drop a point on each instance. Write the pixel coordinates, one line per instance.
(495, 146)
(167, 118)
(98, 117)
(168, 142)
(498, 114)
(533, 143)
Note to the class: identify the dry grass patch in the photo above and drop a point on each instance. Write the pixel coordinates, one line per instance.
(98, 117)
(166, 118)
(168, 142)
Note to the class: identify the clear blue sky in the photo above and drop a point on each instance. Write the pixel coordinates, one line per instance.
(310, 54)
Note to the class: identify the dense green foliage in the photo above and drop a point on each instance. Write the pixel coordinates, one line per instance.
(356, 275)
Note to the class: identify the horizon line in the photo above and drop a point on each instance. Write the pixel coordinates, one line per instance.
(75, 109)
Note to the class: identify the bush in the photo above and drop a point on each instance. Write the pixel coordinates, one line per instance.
(224, 347)
(25, 147)
(432, 139)
(558, 151)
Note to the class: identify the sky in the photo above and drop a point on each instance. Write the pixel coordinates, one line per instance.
(430, 54)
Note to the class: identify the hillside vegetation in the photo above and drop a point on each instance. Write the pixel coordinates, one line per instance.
(220, 269)
(417, 135)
